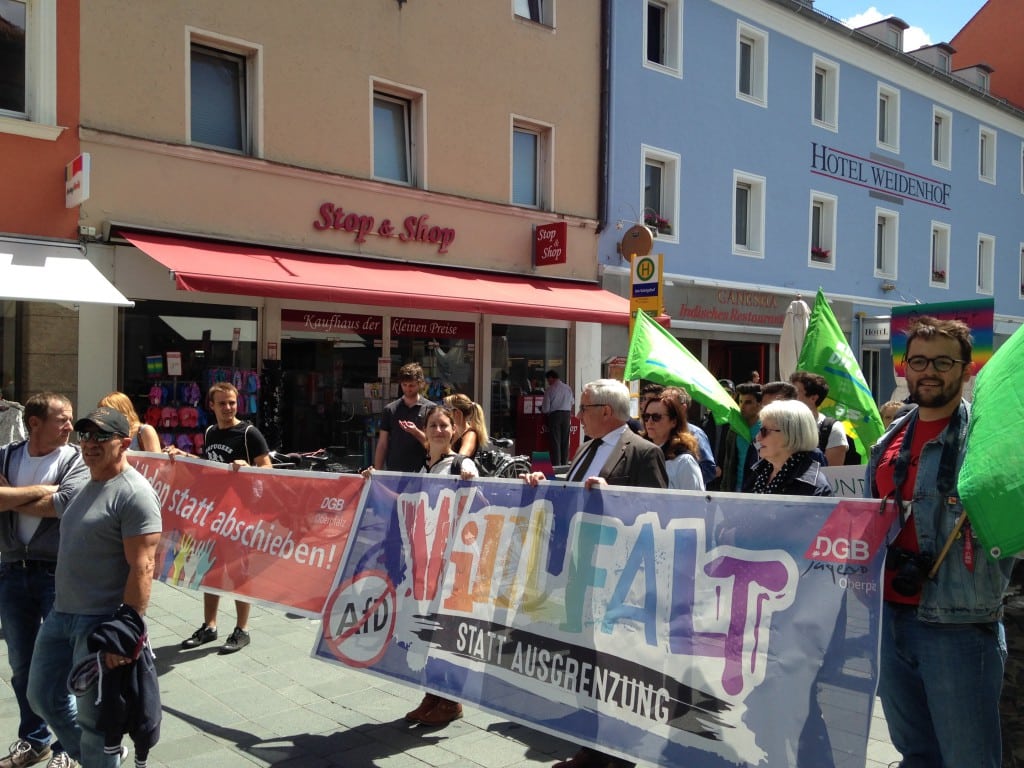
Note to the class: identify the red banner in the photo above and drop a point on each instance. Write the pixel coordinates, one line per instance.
(273, 536)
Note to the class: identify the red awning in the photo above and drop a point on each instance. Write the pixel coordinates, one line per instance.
(215, 267)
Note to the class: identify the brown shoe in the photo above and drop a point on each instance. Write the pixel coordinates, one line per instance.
(591, 758)
(442, 713)
(425, 706)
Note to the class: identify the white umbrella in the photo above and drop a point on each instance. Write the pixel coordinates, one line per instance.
(794, 328)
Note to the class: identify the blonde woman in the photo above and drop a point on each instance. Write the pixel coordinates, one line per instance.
(470, 429)
(144, 437)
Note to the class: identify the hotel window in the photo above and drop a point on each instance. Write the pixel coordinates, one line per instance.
(942, 137)
(888, 118)
(751, 64)
(939, 263)
(986, 263)
(661, 196)
(825, 94)
(398, 153)
(540, 11)
(748, 214)
(887, 224)
(1021, 271)
(663, 36)
(823, 230)
(986, 155)
(224, 93)
(28, 68)
(531, 165)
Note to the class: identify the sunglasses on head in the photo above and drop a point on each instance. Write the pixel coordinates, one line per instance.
(655, 417)
(97, 437)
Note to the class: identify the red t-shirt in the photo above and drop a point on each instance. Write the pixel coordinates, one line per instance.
(924, 431)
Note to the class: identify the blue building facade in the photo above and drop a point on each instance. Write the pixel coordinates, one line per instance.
(774, 150)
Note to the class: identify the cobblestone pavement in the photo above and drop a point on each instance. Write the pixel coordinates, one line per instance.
(271, 704)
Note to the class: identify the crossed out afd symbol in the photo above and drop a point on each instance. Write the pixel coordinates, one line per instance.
(360, 619)
(645, 268)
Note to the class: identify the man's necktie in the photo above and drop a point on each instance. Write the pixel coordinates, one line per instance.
(580, 472)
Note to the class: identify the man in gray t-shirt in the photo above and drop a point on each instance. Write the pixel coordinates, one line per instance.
(109, 535)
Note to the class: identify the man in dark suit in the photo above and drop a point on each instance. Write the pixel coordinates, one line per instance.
(614, 455)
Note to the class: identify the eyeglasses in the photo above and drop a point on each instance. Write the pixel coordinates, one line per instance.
(97, 437)
(592, 405)
(763, 432)
(655, 417)
(942, 363)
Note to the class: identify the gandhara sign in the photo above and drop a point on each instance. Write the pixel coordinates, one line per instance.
(549, 242)
(413, 229)
(878, 176)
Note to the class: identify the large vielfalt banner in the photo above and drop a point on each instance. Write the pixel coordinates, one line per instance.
(670, 627)
(270, 536)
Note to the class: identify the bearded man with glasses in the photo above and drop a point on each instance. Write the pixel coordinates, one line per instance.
(109, 534)
(943, 645)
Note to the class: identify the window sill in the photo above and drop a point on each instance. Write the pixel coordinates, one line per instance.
(31, 130)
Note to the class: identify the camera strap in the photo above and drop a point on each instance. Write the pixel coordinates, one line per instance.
(945, 482)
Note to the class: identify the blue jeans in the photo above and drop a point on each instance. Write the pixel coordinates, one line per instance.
(61, 644)
(940, 685)
(26, 596)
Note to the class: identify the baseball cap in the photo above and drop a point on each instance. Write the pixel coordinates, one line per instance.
(727, 384)
(108, 420)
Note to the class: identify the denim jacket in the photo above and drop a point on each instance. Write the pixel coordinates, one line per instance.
(956, 595)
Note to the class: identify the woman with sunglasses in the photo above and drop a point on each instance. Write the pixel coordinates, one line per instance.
(788, 436)
(665, 425)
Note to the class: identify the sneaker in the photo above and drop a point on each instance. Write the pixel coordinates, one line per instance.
(205, 634)
(236, 642)
(22, 753)
(62, 760)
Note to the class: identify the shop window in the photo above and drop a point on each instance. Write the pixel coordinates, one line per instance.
(825, 94)
(155, 334)
(661, 192)
(886, 241)
(531, 164)
(445, 348)
(986, 264)
(752, 64)
(540, 11)
(398, 131)
(987, 155)
(28, 68)
(888, 133)
(520, 356)
(748, 214)
(942, 137)
(10, 388)
(663, 36)
(823, 230)
(939, 276)
(224, 89)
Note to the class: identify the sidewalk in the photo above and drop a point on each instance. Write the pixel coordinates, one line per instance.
(271, 704)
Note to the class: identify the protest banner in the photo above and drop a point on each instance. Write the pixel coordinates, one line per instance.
(272, 537)
(670, 627)
(847, 480)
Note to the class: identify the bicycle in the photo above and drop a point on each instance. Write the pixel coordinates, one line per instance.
(496, 462)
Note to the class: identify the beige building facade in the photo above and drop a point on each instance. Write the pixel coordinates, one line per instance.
(331, 192)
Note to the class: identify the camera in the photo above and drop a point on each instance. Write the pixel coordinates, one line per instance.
(912, 569)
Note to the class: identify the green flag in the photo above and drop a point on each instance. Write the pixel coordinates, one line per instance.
(656, 355)
(826, 353)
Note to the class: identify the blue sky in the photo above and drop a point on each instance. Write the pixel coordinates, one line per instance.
(931, 21)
